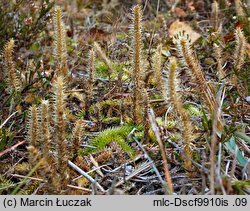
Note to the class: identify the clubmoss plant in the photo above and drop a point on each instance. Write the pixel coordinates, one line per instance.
(157, 68)
(13, 81)
(240, 49)
(47, 171)
(176, 101)
(60, 48)
(60, 130)
(182, 42)
(215, 16)
(239, 9)
(220, 73)
(33, 135)
(77, 137)
(136, 31)
(45, 129)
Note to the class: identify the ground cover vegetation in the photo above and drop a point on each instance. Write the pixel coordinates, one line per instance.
(124, 97)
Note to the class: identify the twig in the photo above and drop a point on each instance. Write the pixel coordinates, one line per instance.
(11, 148)
(134, 173)
(38, 188)
(173, 6)
(119, 167)
(227, 168)
(147, 156)
(94, 182)
(217, 119)
(234, 163)
(219, 169)
(213, 148)
(13, 166)
(8, 119)
(244, 147)
(93, 170)
(26, 177)
(203, 176)
(150, 160)
(95, 163)
(107, 95)
(79, 188)
(9, 186)
(162, 148)
(201, 167)
(219, 160)
(75, 90)
(157, 101)
(41, 180)
(111, 190)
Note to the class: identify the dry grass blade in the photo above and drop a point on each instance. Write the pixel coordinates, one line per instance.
(162, 148)
(6, 120)
(94, 182)
(12, 148)
(150, 160)
(134, 173)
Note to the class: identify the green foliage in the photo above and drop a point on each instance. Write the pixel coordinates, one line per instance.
(245, 21)
(101, 68)
(2, 86)
(6, 138)
(5, 184)
(111, 120)
(29, 188)
(240, 186)
(192, 110)
(104, 104)
(121, 35)
(81, 114)
(243, 136)
(104, 107)
(117, 134)
(233, 148)
(206, 122)
(3, 139)
(24, 181)
(23, 20)
(117, 66)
